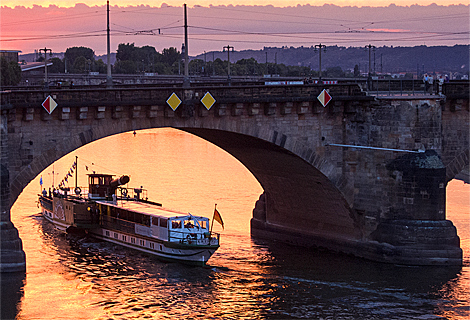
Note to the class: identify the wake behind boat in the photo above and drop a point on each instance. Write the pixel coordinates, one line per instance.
(107, 210)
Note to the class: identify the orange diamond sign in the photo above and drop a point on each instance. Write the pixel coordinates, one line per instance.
(49, 104)
(324, 97)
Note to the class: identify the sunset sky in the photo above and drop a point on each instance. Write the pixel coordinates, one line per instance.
(276, 3)
(247, 25)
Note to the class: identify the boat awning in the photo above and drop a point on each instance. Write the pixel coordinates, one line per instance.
(146, 208)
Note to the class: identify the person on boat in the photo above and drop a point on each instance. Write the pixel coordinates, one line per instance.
(44, 193)
(50, 193)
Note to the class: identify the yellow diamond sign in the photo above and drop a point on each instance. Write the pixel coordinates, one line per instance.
(208, 100)
(173, 101)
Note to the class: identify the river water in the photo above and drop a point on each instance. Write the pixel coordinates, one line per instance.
(73, 276)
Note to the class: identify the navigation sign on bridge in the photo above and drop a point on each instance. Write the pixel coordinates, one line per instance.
(324, 97)
(208, 100)
(173, 101)
(49, 104)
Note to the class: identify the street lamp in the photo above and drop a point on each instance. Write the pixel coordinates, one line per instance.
(369, 76)
(228, 58)
(46, 84)
(109, 77)
(319, 46)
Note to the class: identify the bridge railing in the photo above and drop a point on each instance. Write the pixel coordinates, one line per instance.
(95, 96)
(410, 87)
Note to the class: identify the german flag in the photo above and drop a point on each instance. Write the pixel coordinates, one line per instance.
(217, 217)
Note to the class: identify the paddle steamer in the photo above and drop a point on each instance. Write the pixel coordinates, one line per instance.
(110, 211)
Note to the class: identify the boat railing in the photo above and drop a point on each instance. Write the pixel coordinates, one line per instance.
(131, 193)
(193, 237)
(117, 224)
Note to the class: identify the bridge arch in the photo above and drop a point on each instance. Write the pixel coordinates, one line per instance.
(302, 191)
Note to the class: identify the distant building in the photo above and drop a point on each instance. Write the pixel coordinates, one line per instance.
(10, 55)
(34, 67)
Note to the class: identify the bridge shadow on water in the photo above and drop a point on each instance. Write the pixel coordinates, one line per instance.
(364, 288)
(12, 285)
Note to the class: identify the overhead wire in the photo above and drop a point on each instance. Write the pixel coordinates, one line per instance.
(227, 32)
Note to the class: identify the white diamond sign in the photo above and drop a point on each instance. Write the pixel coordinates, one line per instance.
(324, 97)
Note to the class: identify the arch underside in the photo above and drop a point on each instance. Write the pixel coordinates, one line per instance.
(298, 196)
(459, 164)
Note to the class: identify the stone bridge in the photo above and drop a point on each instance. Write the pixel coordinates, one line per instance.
(363, 175)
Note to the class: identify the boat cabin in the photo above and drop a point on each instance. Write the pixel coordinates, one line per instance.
(154, 221)
(99, 185)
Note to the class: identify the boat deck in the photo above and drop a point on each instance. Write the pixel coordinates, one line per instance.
(146, 208)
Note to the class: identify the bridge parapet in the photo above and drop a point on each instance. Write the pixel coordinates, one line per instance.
(94, 96)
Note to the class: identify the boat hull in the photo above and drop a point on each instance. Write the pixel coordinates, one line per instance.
(197, 255)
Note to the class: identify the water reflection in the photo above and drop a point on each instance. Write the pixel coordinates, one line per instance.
(12, 285)
(74, 276)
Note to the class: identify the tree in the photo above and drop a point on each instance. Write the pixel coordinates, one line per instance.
(58, 66)
(10, 72)
(80, 65)
(125, 52)
(170, 55)
(73, 53)
(356, 71)
(101, 67)
(126, 67)
(334, 72)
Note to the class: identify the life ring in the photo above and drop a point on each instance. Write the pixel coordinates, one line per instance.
(78, 190)
(188, 238)
(124, 192)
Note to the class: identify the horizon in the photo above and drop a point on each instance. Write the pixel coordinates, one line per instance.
(243, 26)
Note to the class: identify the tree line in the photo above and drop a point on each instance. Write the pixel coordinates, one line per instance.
(131, 59)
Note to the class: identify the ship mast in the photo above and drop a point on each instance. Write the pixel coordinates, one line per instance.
(76, 172)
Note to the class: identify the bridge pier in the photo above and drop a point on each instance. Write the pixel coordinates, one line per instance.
(12, 256)
(412, 231)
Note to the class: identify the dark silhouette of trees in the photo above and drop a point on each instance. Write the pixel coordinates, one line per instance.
(10, 72)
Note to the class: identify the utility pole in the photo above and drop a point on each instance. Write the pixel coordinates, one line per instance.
(213, 63)
(109, 77)
(46, 83)
(369, 76)
(267, 71)
(381, 64)
(319, 46)
(228, 58)
(186, 60)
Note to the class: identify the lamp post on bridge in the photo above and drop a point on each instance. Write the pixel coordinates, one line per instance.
(369, 75)
(46, 83)
(319, 46)
(228, 62)
(109, 77)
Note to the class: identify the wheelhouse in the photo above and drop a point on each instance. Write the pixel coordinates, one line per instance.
(99, 185)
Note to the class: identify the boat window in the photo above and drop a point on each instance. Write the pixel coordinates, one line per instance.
(146, 220)
(155, 221)
(163, 223)
(188, 224)
(176, 224)
(203, 224)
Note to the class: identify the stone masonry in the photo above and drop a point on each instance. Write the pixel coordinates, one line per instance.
(362, 176)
